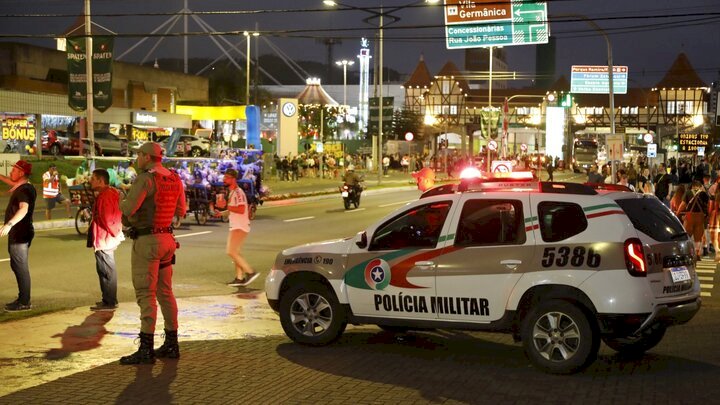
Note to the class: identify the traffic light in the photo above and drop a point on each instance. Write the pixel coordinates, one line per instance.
(566, 101)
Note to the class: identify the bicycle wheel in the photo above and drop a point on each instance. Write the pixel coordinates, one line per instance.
(201, 215)
(82, 220)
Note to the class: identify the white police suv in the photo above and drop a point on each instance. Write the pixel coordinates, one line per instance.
(560, 266)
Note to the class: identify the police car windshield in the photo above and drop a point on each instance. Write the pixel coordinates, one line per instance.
(651, 217)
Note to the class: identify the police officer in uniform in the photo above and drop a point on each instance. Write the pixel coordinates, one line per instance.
(153, 199)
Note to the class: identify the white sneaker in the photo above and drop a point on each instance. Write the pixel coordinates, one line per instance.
(249, 278)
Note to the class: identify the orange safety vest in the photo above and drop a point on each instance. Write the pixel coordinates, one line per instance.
(51, 185)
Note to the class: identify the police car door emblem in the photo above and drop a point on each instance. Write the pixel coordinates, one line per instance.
(377, 274)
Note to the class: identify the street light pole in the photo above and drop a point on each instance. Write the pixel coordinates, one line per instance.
(380, 16)
(380, 93)
(344, 63)
(247, 65)
(610, 77)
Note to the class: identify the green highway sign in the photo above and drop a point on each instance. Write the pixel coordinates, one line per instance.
(374, 114)
(483, 23)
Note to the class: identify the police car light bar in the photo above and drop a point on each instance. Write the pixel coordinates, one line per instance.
(507, 181)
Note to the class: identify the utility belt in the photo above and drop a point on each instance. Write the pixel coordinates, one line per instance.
(134, 233)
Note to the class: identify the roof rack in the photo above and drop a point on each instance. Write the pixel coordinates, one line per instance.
(508, 184)
(444, 189)
(566, 188)
(609, 187)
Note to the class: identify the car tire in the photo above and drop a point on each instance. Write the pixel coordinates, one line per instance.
(637, 345)
(310, 314)
(55, 150)
(558, 337)
(196, 152)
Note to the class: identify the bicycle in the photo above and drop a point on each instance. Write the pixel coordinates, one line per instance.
(83, 197)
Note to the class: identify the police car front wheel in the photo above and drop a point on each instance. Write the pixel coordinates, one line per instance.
(558, 337)
(311, 314)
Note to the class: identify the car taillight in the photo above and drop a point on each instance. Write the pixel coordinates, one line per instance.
(634, 258)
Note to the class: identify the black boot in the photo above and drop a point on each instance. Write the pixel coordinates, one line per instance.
(145, 353)
(170, 348)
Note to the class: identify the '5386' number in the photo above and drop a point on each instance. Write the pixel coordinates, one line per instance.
(576, 257)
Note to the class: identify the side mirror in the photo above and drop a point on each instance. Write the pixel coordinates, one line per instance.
(361, 240)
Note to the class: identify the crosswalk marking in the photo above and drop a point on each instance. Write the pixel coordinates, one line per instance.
(706, 274)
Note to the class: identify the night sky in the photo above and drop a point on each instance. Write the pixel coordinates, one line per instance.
(647, 43)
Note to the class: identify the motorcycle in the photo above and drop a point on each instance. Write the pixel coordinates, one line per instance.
(351, 195)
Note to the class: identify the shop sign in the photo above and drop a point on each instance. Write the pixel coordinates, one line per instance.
(691, 142)
(18, 127)
(270, 120)
(102, 54)
(143, 118)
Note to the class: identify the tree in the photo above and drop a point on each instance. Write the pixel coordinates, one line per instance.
(226, 84)
(309, 115)
(407, 120)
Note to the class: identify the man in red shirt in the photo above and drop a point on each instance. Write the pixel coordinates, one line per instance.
(105, 236)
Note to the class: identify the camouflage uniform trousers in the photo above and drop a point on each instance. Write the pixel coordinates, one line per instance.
(153, 281)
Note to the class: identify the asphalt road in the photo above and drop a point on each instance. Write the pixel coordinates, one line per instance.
(63, 269)
(234, 350)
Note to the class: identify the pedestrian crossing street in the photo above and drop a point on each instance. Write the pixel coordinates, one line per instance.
(706, 270)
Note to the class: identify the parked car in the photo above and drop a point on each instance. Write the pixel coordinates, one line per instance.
(57, 143)
(189, 145)
(111, 144)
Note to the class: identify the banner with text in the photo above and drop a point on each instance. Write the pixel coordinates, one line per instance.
(102, 54)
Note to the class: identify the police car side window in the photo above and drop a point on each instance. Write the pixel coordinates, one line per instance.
(560, 220)
(490, 222)
(419, 227)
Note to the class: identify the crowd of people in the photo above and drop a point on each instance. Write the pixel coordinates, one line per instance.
(689, 189)
(145, 216)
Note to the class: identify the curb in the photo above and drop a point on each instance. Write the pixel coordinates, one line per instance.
(333, 193)
(54, 224)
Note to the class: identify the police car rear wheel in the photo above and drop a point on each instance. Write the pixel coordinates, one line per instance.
(310, 314)
(558, 338)
(635, 345)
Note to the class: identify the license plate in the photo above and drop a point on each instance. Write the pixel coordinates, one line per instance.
(679, 274)
(344, 193)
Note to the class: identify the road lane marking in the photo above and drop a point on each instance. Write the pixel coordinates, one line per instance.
(192, 234)
(355, 210)
(704, 271)
(297, 219)
(705, 294)
(395, 203)
(705, 278)
(709, 286)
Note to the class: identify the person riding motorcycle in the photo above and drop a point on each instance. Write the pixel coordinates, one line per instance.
(352, 179)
